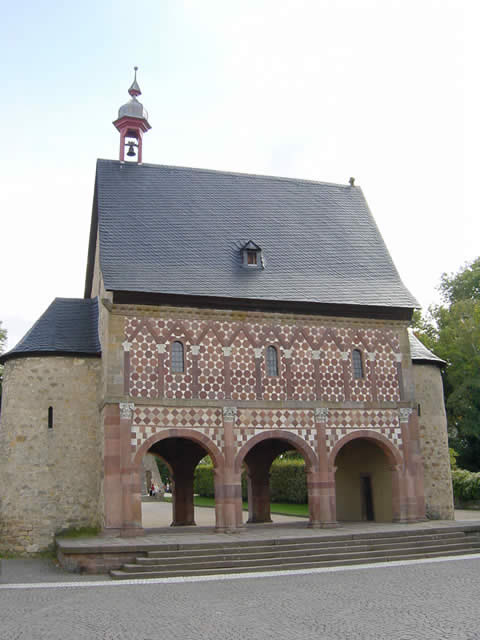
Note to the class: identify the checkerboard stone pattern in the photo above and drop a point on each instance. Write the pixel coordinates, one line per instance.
(148, 421)
(251, 422)
(343, 422)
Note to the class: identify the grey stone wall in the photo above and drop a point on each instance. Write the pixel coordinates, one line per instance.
(49, 478)
(434, 441)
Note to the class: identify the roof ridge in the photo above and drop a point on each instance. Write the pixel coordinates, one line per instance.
(230, 173)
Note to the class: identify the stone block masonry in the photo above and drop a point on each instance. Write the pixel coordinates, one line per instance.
(49, 464)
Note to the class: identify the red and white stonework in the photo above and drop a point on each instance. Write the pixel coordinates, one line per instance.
(226, 403)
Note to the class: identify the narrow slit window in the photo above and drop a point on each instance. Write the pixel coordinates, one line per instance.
(50, 417)
(272, 361)
(177, 364)
(357, 364)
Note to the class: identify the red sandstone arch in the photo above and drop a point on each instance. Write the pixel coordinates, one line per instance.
(298, 443)
(189, 434)
(393, 454)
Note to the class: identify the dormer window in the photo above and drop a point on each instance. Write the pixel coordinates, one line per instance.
(252, 256)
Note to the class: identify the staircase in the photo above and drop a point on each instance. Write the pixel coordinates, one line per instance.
(192, 559)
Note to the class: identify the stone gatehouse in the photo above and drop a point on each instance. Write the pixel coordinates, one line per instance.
(229, 315)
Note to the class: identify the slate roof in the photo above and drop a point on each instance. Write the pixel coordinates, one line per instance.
(420, 354)
(68, 326)
(176, 230)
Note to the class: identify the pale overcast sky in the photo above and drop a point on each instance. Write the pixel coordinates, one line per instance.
(385, 91)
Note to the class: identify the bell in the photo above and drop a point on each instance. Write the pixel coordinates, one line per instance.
(131, 150)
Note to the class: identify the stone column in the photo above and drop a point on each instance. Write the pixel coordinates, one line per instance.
(229, 492)
(112, 487)
(183, 507)
(414, 494)
(259, 493)
(321, 482)
(398, 365)
(130, 476)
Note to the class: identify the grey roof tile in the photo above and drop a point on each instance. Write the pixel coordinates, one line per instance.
(69, 325)
(420, 353)
(176, 230)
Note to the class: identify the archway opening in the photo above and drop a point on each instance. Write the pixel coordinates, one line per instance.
(363, 482)
(275, 472)
(179, 457)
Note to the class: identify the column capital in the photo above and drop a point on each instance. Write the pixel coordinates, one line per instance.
(195, 349)
(258, 352)
(321, 414)
(230, 413)
(227, 351)
(404, 414)
(126, 346)
(287, 353)
(126, 410)
(161, 348)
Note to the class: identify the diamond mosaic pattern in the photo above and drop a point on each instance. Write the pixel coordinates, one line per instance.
(331, 373)
(303, 372)
(344, 422)
(209, 337)
(242, 369)
(210, 363)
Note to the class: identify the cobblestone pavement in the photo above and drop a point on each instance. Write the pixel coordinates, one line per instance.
(412, 602)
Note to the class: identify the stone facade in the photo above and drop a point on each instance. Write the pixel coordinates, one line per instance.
(50, 475)
(434, 441)
(109, 413)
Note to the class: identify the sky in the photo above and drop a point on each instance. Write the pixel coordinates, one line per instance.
(385, 91)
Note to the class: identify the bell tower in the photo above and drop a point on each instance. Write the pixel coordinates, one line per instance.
(132, 123)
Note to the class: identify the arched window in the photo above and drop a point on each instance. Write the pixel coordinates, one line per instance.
(272, 361)
(357, 363)
(177, 365)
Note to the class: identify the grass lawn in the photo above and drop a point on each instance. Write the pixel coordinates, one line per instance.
(281, 508)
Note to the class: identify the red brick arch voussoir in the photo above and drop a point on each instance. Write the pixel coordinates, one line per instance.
(297, 442)
(189, 434)
(393, 454)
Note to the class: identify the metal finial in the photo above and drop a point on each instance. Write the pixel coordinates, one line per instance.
(352, 182)
(134, 90)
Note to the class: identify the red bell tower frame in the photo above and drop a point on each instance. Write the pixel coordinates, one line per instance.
(132, 123)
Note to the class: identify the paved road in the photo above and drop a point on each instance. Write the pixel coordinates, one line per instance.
(437, 601)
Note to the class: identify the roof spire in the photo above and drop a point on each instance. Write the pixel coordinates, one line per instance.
(134, 90)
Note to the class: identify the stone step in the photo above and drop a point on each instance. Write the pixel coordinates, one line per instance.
(280, 546)
(267, 552)
(238, 561)
(120, 574)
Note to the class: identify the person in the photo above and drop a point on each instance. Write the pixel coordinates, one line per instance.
(152, 490)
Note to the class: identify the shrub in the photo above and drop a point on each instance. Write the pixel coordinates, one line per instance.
(287, 481)
(203, 483)
(466, 485)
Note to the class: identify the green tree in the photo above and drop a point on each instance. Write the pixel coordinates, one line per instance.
(452, 331)
(3, 341)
